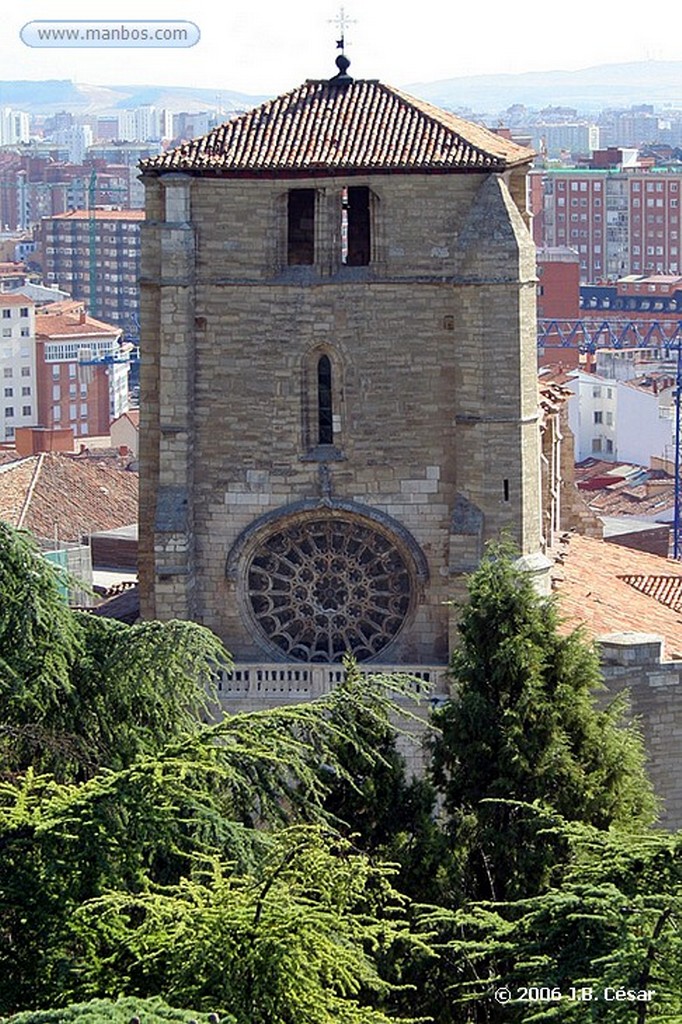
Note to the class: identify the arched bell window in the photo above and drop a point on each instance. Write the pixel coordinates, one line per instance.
(325, 419)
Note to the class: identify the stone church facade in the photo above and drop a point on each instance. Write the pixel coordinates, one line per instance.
(339, 393)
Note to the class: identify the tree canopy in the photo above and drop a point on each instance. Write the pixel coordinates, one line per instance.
(524, 727)
(279, 867)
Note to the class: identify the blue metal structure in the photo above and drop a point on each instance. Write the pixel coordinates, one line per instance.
(588, 334)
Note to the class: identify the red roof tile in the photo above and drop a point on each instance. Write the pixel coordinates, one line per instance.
(666, 589)
(327, 126)
(99, 215)
(55, 327)
(15, 299)
(591, 582)
(58, 493)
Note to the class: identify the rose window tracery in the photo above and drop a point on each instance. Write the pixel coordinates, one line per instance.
(321, 588)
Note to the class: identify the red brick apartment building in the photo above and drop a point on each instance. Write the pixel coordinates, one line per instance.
(81, 374)
(103, 242)
(621, 220)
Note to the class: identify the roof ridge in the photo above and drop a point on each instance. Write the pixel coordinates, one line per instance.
(31, 489)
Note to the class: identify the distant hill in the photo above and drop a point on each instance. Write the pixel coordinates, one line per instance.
(53, 95)
(589, 90)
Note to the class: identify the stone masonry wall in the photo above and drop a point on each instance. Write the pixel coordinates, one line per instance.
(433, 373)
(632, 663)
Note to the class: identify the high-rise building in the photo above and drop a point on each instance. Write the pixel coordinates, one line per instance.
(18, 404)
(95, 256)
(621, 220)
(81, 370)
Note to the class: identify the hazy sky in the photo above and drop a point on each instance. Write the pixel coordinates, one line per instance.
(269, 46)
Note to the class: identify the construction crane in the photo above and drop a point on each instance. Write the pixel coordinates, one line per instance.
(588, 335)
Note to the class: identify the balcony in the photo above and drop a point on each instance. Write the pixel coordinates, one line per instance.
(280, 683)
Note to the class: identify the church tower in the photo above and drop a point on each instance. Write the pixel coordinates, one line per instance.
(339, 399)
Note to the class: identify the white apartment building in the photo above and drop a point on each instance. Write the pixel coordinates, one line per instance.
(19, 405)
(14, 127)
(592, 416)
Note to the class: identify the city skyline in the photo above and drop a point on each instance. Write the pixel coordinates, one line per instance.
(268, 48)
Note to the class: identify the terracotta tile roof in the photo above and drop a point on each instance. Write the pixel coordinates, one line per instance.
(591, 580)
(552, 397)
(73, 496)
(666, 589)
(327, 126)
(65, 325)
(99, 215)
(624, 498)
(15, 299)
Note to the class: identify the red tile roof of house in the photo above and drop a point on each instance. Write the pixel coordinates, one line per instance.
(666, 589)
(62, 325)
(98, 215)
(15, 299)
(59, 493)
(329, 126)
(133, 415)
(593, 581)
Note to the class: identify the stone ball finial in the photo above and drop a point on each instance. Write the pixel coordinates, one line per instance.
(342, 63)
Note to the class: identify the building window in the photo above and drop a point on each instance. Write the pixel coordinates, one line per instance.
(7, 372)
(356, 213)
(26, 371)
(23, 311)
(598, 416)
(609, 446)
(596, 444)
(9, 411)
(26, 410)
(9, 392)
(324, 401)
(25, 392)
(6, 314)
(56, 413)
(301, 227)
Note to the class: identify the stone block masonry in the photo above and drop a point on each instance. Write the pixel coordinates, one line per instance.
(434, 441)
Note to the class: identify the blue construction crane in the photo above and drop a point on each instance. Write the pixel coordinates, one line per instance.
(589, 334)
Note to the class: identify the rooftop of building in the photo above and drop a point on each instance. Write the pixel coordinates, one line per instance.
(132, 415)
(65, 496)
(15, 299)
(78, 215)
(607, 588)
(343, 125)
(65, 325)
(624, 489)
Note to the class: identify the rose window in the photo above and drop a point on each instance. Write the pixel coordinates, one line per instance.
(321, 588)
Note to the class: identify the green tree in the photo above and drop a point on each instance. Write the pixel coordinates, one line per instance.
(79, 692)
(119, 1011)
(297, 939)
(523, 729)
(610, 927)
(389, 813)
(141, 837)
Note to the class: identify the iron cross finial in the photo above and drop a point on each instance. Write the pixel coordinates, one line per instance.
(342, 21)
